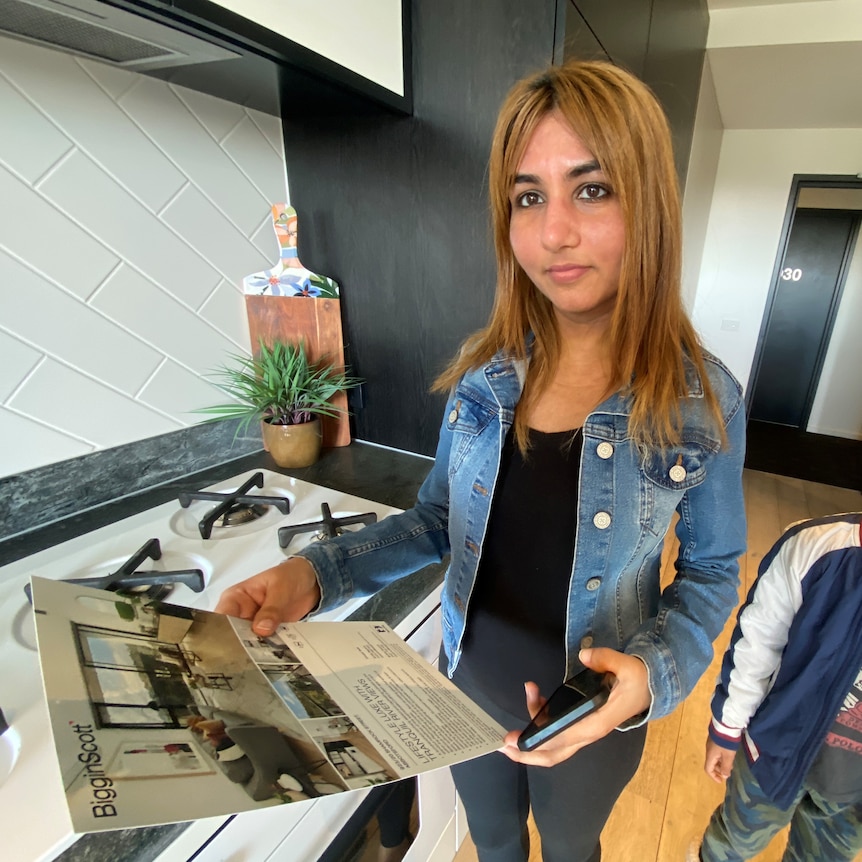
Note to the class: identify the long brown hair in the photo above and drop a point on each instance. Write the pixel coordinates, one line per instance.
(622, 124)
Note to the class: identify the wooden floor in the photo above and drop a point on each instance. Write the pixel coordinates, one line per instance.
(670, 799)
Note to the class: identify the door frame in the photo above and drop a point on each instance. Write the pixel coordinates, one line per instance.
(799, 182)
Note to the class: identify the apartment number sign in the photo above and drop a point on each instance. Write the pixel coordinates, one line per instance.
(788, 274)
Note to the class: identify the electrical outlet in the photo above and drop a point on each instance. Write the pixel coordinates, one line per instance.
(730, 324)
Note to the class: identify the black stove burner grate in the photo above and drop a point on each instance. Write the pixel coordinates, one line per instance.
(128, 579)
(230, 504)
(328, 527)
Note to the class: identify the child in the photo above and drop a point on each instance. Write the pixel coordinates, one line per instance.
(786, 723)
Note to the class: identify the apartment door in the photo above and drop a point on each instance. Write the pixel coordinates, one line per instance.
(800, 319)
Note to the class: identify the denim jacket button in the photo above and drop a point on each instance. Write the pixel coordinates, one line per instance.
(453, 417)
(586, 641)
(602, 520)
(604, 450)
(593, 584)
(677, 473)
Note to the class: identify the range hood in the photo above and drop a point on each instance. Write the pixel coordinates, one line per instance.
(99, 31)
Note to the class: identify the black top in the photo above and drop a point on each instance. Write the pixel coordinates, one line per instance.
(516, 630)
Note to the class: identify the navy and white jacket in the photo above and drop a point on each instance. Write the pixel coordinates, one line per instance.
(795, 652)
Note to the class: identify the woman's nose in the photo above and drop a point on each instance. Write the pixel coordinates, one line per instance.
(560, 227)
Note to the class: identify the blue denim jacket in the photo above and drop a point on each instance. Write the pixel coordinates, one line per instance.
(626, 502)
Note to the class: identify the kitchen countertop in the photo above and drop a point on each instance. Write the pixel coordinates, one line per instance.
(387, 476)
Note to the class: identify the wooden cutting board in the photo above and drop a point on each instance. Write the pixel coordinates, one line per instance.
(290, 303)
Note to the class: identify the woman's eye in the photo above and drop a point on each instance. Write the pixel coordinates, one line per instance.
(528, 199)
(592, 192)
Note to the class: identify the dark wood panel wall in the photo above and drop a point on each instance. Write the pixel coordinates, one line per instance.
(395, 208)
(662, 41)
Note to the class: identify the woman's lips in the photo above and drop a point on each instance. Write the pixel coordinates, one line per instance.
(566, 272)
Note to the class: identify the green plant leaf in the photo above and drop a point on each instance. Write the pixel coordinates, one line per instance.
(278, 385)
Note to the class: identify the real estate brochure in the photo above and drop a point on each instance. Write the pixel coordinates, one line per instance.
(162, 713)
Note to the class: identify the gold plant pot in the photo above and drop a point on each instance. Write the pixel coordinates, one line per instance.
(293, 445)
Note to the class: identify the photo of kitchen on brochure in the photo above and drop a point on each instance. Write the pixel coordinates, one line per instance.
(162, 713)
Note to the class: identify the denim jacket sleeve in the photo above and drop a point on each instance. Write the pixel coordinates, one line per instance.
(676, 643)
(361, 563)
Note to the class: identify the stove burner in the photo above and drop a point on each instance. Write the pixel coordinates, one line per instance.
(331, 526)
(235, 507)
(127, 580)
(240, 514)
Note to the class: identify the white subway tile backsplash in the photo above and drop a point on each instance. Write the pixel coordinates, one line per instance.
(204, 227)
(225, 310)
(43, 445)
(48, 241)
(87, 409)
(266, 241)
(81, 189)
(19, 359)
(62, 326)
(258, 160)
(134, 209)
(216, 115)
(83, 111)
(29, 153)
(177, 391)
(141, 307)
(112, 80)
(271, 128)
(166, 119)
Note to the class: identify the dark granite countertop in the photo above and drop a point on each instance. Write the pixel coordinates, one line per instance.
(364, 470)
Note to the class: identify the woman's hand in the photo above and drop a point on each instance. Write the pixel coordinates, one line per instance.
(630, 696)
(284, 593)
(719, 761)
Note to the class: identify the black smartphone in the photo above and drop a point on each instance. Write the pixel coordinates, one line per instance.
(575, 699)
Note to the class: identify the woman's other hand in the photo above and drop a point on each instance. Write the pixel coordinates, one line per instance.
(284, 593)
(630, 696)
(718, 762)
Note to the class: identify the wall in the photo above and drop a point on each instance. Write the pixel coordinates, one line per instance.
(132, 210)
(700, 182)
(755, 171)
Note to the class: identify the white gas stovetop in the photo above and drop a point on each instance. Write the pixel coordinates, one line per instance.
(29, 774)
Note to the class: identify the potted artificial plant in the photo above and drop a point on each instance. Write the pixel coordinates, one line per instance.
(287, 393)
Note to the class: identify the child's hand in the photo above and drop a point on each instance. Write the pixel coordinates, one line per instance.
(719, 761)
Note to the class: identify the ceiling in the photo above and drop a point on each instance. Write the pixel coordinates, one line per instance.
(787, 86)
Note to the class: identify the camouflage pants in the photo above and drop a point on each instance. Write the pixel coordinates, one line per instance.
(744, 824)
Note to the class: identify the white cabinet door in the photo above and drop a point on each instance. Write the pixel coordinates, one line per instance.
(363, 37)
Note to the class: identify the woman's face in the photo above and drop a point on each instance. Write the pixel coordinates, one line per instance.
(566, 227)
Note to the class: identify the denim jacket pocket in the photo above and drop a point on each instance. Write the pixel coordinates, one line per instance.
(468, 417)
(677, 468)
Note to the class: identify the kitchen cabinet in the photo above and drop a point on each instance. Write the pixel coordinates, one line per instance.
(662, 41)
(324, 58)
(292, 59)
(366, 38)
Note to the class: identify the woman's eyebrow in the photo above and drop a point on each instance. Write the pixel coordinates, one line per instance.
(575, 172)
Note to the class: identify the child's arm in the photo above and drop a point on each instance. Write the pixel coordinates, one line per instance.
(754, 655)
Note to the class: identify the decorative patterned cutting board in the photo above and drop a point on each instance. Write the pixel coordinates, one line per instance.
(291, 303)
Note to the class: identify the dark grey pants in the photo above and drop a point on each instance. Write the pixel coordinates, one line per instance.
(571, 801)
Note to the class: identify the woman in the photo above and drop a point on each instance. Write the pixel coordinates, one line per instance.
(580, 419)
